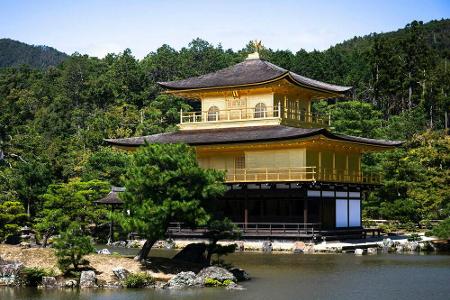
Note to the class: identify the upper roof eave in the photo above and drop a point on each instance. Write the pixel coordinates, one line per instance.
(250, 73)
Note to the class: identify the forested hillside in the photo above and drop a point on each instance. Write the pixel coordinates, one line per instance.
(53, 120)
(15, 53)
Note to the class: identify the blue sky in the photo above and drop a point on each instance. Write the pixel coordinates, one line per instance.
(98, 27)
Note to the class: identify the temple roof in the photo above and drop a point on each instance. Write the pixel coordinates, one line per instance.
(250, 72)
(113, 197)
(242, 135)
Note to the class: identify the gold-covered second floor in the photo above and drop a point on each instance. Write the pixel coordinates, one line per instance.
(281, 162)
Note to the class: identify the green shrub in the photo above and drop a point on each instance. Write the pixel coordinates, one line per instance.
(227, 282)
(442, 230)
(70, 247)
(33, 276)
(211, 282)
(414, 237)
(138, 280)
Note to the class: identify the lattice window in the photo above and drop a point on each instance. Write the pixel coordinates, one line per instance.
(239, 162)
(213, 113)
(260, 110)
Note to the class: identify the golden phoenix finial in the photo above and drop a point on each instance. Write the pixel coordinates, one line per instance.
(257, 45)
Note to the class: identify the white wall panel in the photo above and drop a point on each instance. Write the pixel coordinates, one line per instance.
(354, 212)
(341, 213)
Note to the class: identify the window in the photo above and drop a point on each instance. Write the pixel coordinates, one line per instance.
(213, 113)
(341, 213)
(260, 110)
(239, 162)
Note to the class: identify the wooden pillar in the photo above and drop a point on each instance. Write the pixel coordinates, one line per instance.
(305, 211)
(245, 209)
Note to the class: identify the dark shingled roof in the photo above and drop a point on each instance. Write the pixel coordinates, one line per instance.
(111, 198)
(250, 72)
(242, 135)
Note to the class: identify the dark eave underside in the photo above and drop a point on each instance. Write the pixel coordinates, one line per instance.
(250, 72)
(243, 135)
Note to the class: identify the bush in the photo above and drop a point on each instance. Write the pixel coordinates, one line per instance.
(414, 238)
(33, 276)
(12, 217)
(138, 280)
(211, 282)
(70, 247)
(442, 230)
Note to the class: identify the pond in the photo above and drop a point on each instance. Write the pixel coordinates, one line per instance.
(289, 276)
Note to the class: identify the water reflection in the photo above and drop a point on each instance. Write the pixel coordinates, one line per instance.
(287, 276)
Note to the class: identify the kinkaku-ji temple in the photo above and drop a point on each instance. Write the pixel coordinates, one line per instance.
(287, 174)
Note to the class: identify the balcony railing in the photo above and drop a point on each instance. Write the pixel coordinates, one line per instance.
(288, 116)
(299, 174)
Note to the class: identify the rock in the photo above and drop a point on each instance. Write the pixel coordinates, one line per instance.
(214, 272)
(71, 283)
(235, 286)
(49, 282)
(399, 248)
(359, 251)
(119, 244)
(240, 274)
(411, 246)
(8, 269)
(299, 248)
(169, 244)
(135, 244)
(104, 251)
(121, 273)
(388, 242)
(267, 247)
(24, 245)
(194, 253)
(309, 248)
(9, 272)
(240, 246)
(372, 250)
(87, 279)
(181, 280)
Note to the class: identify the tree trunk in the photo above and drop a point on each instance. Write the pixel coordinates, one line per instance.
(143, 253)
(45, 238)
(211, 248)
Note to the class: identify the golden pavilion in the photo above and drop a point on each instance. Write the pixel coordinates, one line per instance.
(286, 172)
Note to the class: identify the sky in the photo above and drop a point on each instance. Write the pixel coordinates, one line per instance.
(98, 27)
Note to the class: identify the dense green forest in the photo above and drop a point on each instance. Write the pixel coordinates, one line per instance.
(15, 53)
(53, 120)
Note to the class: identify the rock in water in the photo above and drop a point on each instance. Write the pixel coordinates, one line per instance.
(104, 251)
(240, 274)
(235, 286)
(194, 253)
(214, 272)
(371, 250)
(121, 273)
(299, 248)
(71, 283)
(359, 251)
(181, 280)
(87, 279)
(49, 282)
(267, 247)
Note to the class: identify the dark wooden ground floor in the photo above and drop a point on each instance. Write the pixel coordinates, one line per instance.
(320, 206)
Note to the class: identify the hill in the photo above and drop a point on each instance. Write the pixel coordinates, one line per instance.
(14, 53)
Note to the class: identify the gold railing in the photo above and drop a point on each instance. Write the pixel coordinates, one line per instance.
(299, 174)
(288, 116)
(232, 114)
